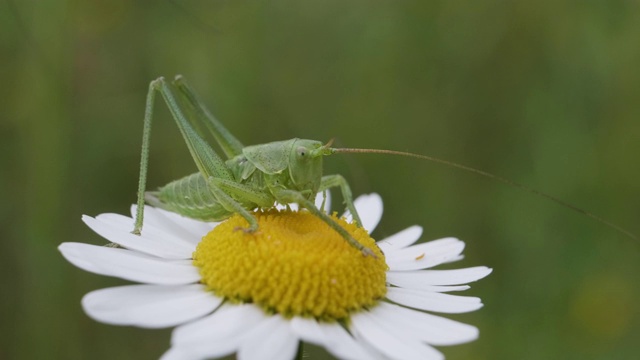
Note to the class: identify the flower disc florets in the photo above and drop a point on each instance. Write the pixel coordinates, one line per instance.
(294, 265)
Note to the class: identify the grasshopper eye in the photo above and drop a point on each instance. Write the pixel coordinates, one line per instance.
(302, 151)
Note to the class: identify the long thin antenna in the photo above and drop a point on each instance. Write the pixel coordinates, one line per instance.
(491, 176)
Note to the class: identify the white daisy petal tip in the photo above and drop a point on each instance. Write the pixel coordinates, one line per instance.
(482, 272)
(434, 301)
(369, 208)
(117, 230)
(425, 255)
(149, 306)
(401, 239)
(72, 253)
(129, 265)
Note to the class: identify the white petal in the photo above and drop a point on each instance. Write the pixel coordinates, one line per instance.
(228, 323)
(332, 337)
(317, 201)
(431, 301)
(454, 259)
(202, 350)
(327, 203)
(158, 247)
(128, 265)
(422, 279)
(150, 231)
(424, 255)
(390, 343)
(195, 227)
(418, 285)
(149, 306)
(159, 220)
(345, 346)
(401, 239)
(308, 330)
(432, 329)
(281, 207)
(271, 339)
(369, 207)
(216, 335)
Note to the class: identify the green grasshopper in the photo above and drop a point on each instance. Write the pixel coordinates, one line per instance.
(252, 177)
(258, 176)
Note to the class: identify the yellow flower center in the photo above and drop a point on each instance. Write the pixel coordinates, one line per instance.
(294, 265)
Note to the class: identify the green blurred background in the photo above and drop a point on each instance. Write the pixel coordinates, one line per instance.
(546, 93)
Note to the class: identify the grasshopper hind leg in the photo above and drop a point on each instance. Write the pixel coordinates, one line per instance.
(144, 159)
(182, 109)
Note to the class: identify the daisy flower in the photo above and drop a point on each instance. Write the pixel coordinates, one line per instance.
(260, 295)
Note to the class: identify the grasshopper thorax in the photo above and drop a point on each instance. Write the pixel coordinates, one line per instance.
(297, 160)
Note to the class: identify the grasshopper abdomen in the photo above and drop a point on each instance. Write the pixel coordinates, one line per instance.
(189, 196)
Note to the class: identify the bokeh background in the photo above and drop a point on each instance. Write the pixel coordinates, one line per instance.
(546, 93)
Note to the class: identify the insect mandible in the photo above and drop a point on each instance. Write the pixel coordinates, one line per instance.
(258, 176)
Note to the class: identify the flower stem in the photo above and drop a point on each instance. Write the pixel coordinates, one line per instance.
(300, 351)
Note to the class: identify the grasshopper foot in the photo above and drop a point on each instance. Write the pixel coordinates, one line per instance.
(368, 252)
(249, 230)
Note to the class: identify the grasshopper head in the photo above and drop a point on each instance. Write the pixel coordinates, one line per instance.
(305, 164)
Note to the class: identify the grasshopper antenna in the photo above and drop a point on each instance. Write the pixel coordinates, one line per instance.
(491, 176)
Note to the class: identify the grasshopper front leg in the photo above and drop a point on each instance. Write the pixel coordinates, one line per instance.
(291, 196)
(330, 181)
